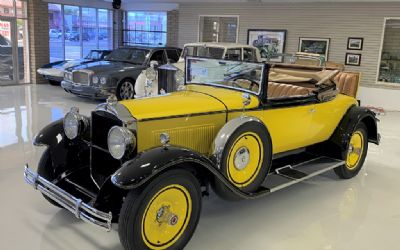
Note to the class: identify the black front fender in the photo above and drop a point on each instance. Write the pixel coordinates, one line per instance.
(148, 164)
(50, 135)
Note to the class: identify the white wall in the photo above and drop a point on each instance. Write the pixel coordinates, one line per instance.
(337, 21)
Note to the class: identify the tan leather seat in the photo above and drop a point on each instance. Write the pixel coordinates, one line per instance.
(347, 83)
(276, 90)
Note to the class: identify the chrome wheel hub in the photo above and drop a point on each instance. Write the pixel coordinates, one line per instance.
(127, 90)
(242, 158)
(164, 215)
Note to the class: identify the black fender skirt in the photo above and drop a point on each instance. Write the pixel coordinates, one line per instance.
(150, 163)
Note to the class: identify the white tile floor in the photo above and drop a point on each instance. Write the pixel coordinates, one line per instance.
(324, 213)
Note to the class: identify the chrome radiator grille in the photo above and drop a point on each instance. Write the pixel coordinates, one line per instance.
(81, 77)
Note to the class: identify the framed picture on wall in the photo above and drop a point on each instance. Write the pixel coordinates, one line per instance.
(355, 43)
(314, 45)
(271, 43)
(353, 59)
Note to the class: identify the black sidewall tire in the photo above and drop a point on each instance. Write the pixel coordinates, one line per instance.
(130, 220)
(224, 192)
(45, 171)
(118, 94)
(343, 172)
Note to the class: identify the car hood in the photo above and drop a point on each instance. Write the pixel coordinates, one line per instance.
(106, 66)
(195, 100)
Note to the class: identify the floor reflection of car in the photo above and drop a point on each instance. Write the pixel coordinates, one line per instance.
(54, 72)
(116, 74)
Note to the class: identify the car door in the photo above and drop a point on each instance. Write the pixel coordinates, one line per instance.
(289, 127)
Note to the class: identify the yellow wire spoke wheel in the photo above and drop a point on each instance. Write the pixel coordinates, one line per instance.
(166, 217)
(355, 150)
(245, 159)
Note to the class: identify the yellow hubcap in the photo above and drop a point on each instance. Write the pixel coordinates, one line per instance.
(355, 151)
(245, 159)
(166, 217)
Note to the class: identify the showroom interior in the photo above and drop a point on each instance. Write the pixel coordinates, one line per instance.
(346, 59)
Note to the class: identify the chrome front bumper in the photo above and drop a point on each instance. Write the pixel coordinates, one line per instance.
(80, 209)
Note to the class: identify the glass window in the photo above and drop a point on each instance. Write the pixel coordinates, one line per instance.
(73, 38)
(233, 54)
(56, 33)
(7, 8)
(105, 29)
(249, 55)
(173, 55)
(89, 30)
(218, 29)
(135, 56)
(201, 51)
(146, 28)
(158, 56)
(389, 70)
(72, 26)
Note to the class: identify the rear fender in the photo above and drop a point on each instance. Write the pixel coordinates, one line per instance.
(354, 116)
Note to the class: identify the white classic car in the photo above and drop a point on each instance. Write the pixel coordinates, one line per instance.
(147, 82)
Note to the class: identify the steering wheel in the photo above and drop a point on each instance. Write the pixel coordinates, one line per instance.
(241, 77)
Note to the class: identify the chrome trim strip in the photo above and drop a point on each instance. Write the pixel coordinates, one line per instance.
(76, 206)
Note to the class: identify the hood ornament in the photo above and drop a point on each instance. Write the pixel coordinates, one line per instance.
(112, 100)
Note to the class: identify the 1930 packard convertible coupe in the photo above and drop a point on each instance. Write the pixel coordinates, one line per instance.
(245, 129)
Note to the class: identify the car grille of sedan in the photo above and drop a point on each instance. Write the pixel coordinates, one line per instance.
(80, 77)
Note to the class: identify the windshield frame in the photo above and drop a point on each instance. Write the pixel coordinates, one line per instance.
(262, 91)
(184, 54)
(148, 51)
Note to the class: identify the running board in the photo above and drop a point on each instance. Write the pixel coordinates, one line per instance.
(288, 175)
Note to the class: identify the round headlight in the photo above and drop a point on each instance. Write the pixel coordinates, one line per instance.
(95, 79)
(74, 124)
(103, 80)
(71, 125)
(120, 140)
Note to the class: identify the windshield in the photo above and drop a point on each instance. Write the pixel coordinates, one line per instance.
(202, 51)
(244, 76)
(135, 56)
(94, 55)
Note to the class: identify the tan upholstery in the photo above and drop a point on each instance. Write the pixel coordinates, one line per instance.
(347, 83)
(276, 90)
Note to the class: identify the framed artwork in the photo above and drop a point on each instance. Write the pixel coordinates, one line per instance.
(315, 45)
(355, 43)
(353, 59)
(271, 43)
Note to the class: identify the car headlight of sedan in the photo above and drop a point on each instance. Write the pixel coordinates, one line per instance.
(75, 124)
(103, 80)
(120, 142)
(68, 76)
(95, 79)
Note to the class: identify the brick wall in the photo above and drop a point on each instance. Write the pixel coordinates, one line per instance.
(172, 28)
(38, 27)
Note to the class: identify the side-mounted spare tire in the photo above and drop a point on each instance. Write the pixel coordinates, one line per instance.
(245, 159)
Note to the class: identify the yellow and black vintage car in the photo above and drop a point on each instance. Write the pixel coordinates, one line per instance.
(245, 129)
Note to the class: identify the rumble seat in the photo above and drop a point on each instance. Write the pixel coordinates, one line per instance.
(276, 90)
(347, 83)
